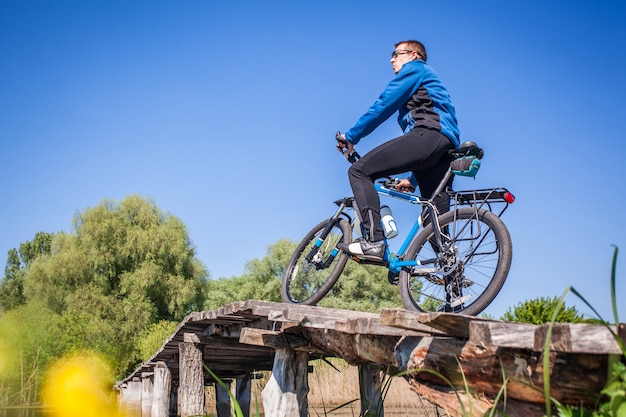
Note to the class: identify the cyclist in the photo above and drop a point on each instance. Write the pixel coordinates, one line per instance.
(427, 117)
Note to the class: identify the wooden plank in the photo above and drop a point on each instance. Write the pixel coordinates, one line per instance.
(272, 309)
(566, 337)
(272, 339)
(501, 334)
(411, 320)
(578, 338)
(317, 322)
(456, 325)
(373, 326)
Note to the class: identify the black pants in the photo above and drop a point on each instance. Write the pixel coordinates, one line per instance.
(421, 151)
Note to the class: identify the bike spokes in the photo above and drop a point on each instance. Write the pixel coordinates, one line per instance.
(316, 264)
(470, 269)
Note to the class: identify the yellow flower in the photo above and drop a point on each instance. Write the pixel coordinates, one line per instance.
(80, 386)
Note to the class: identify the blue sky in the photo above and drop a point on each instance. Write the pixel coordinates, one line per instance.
(224, 113)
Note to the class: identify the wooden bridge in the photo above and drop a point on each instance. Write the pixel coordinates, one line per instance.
(242, 338)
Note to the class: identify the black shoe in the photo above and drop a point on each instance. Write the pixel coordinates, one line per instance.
(362, 249)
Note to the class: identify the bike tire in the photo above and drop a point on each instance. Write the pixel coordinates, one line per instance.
(307, 282)
(485, 251)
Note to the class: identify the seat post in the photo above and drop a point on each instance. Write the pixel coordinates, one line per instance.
(442, 184)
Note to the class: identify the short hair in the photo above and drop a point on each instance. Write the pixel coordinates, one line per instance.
(415, 46)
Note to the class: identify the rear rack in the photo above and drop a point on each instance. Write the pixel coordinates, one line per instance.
(481, 198)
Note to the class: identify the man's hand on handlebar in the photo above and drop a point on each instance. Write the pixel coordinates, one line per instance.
(346, 148)
(405, 185)
(343, 145)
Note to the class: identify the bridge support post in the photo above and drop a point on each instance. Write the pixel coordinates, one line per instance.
(162, 382)
(370, 387)
(222, 399)
(285, 394)
(243, 393)
(130, 401)
(191, 372)
(146, 394)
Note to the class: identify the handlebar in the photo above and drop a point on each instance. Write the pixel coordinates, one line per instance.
(341, 144)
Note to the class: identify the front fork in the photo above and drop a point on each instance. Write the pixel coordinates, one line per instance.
(314, 255)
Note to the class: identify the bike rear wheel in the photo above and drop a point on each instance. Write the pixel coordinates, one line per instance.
(316, 264)
(468, 273)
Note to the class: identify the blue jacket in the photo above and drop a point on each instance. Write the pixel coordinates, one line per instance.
(421, 100)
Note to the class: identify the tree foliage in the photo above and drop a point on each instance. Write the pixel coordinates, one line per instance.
(12, 286)
(125, 267)
(540, 310)
(361, 288)
(261, 279)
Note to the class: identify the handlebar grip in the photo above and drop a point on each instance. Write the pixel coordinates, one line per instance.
(342, 143)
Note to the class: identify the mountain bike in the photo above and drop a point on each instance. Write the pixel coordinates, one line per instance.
(455, 261)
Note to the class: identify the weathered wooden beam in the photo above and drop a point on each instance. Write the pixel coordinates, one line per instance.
(443, 324)
(280, 340)
(161, 390)
(566, 337)
(285, 394)
(191, 376)
(578, 338)
(354, 348)
(501, 334)
(373, 326)
(457, 402)
(485, 369)
(273, 339)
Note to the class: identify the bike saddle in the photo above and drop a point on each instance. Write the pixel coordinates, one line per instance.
(468, 148)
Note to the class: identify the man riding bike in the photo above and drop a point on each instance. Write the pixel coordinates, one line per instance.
(427, 117)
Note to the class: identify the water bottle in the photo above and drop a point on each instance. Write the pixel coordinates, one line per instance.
(389, 224)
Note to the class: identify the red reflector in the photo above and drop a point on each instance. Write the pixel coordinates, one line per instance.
(509, 198)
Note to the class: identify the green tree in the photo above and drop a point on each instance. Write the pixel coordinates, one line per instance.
(125, 267)
(30, 337)
(261, 279)
(363, 288)
(153, 337)
(540, 310)
(12, 286)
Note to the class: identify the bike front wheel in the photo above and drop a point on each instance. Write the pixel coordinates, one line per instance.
(316, 263)
(466, 273)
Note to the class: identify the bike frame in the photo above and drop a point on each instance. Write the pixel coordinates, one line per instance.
(478, 198)
(396, 263)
